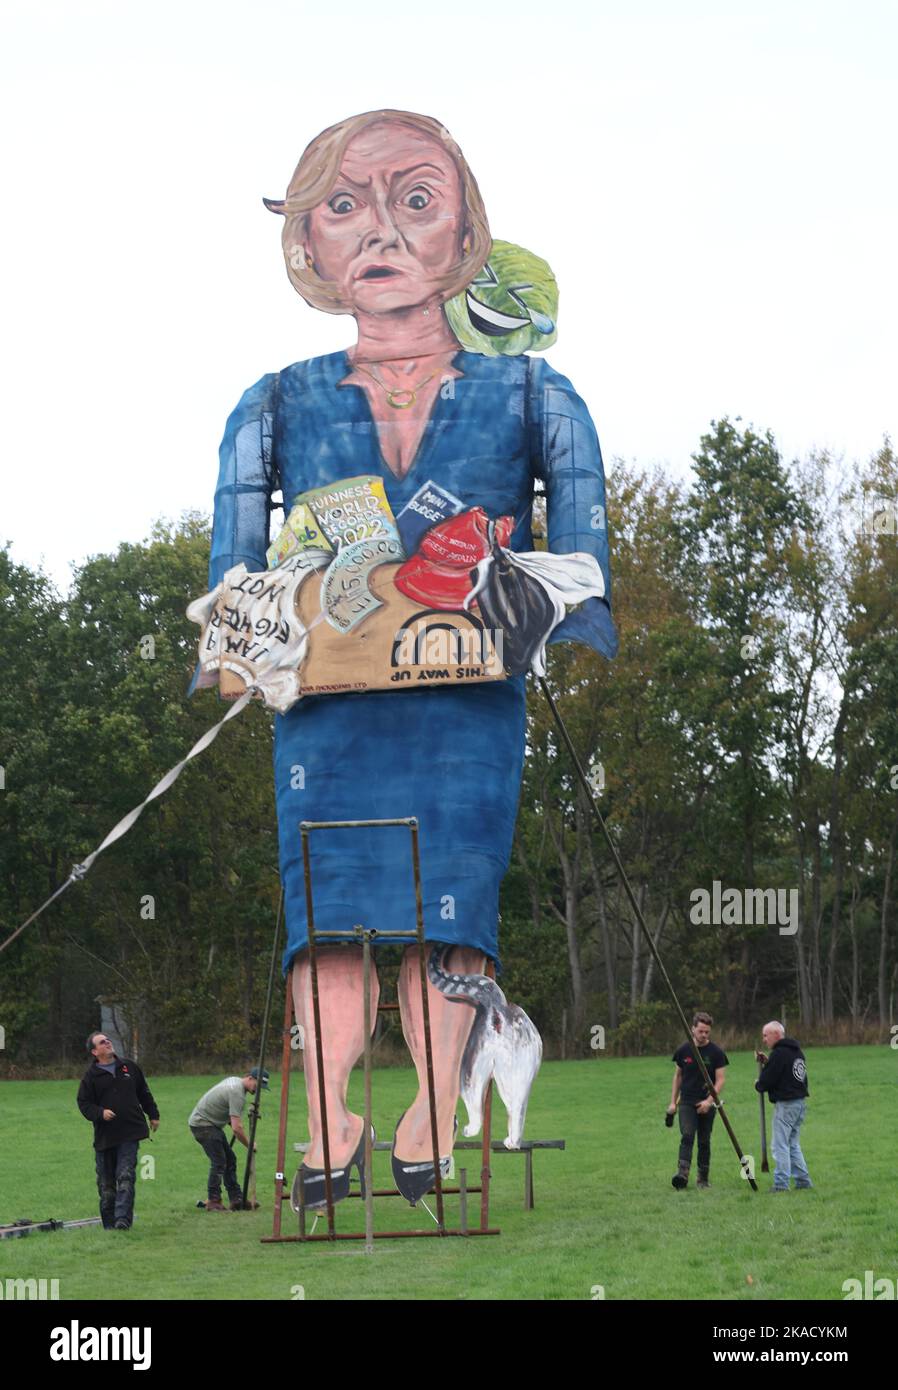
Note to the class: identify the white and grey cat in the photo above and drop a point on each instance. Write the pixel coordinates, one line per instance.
(503, 1044)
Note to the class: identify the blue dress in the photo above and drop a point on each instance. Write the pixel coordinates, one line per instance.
(452, 757)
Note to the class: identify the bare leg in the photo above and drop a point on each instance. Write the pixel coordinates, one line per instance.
(341, 1005)
(450, 1025)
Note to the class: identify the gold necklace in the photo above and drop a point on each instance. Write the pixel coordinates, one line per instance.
(393, 392)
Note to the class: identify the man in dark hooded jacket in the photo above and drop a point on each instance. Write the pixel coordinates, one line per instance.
(785, 1078)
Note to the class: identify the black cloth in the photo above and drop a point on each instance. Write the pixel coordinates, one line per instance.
(785, 1074)
(692, 1086)
(126, 1093)
(222, 1162)
(692, 1124)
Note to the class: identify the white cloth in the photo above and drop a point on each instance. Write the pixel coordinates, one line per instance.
(566, 579)
(251, 628)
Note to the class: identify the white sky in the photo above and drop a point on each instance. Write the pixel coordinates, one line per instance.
(714, 185)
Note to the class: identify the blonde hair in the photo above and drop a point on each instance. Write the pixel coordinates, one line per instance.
(313, 180)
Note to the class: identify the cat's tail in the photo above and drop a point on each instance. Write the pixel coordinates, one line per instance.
(476, 990)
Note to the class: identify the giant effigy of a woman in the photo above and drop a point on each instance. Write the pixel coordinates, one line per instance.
(384, 221)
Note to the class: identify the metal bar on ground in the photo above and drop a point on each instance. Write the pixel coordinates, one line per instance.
(26, 1228)
(383, 1235)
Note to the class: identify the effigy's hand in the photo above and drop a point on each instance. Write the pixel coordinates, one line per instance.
(251, 632)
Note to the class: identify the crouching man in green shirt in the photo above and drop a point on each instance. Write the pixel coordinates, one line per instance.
(220, 1106)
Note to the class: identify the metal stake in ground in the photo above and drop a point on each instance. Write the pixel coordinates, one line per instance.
(263, 1047)
(744, 1162)
(765, 1166)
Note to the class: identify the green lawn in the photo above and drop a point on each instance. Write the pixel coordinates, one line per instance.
(605, 1210)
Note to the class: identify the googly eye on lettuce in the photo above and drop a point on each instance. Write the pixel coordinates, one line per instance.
(511, 306)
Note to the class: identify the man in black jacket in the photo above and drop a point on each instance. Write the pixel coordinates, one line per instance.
(115, 1096)
(785, 1078)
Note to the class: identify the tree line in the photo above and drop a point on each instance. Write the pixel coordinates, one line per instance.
(743, 748)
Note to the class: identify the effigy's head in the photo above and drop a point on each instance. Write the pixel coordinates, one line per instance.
(382, 213)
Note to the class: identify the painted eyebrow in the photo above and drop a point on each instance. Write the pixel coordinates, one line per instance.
(343, 178)
(401, 173)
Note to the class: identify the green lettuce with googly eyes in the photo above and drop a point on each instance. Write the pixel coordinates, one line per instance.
(511, 305)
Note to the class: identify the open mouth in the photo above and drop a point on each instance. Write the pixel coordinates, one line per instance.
(378, 272)
(492, 322)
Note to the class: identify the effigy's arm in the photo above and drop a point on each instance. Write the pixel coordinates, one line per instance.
(565, 455)
(246, 480)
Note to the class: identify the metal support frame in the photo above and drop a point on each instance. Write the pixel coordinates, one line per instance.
(365, 936)
(525, 1150)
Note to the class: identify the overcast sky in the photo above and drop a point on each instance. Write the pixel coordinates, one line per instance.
(712, 183)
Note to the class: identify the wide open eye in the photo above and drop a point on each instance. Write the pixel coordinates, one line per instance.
(342, 203)
(418, 199)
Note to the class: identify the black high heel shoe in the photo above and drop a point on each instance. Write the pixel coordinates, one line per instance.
(311, 1181)
(358, 1159)
(415, 1180)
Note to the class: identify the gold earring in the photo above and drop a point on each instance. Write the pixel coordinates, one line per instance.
(309, 261)
(466, 245)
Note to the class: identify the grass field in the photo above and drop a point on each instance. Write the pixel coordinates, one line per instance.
(605, 1214)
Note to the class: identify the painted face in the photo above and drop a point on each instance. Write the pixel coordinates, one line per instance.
(392, 225)
(509, 307)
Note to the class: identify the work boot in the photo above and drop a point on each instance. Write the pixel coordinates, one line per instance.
(680, 1178)
(215, 1204)
(238, 1204)
(702, 1180)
